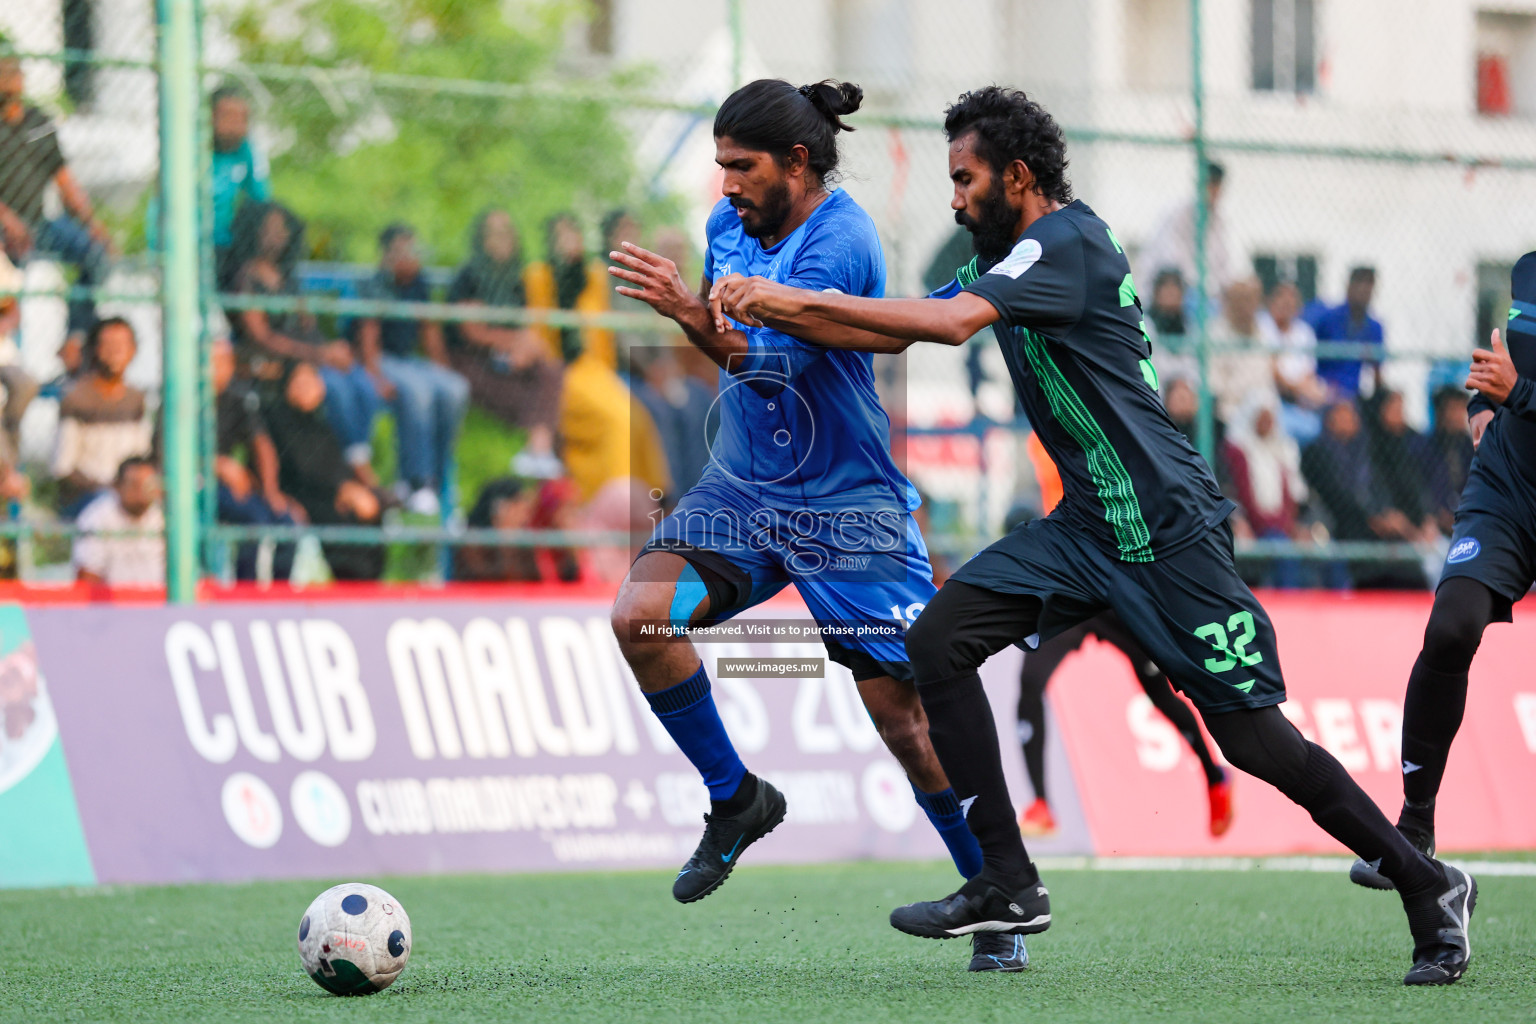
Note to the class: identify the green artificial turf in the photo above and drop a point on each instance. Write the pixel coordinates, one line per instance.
(775, 944)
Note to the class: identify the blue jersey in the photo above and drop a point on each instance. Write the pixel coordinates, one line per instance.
(801, 426)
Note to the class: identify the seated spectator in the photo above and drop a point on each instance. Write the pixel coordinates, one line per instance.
(1173, 350)
(131, 504)
(239, 170)
(1451, 450)
(1290, 338)
(102, 418)
(568, 280)
(30, 161)
(1339, 469)
(267, 241)
(513, 504)
(608, 436)
(1350, 322)
(679, 405)
(245, 464)
(16, 385)
(409, 365)
(1238, 366)
(313, 469)
(1183, 404)
(512, 374)
(1263, 470)
(1402, 458)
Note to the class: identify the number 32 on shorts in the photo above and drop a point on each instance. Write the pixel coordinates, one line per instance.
(1239, 632)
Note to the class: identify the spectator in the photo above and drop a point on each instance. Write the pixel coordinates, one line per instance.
(1339, 469)
(1166, 316)
(30, 159)
(513, 504)
(102, 418)
(511, 372)
(409, 365)
(1350, 322)
(620, 226)
(131, 504)
(245, 464)
(239, 170)
(680, 406)
(568, 280)
(1172, 244)
(1290, 338)
(313, 469)
(1239, 367)
(1401, 457)
(1263, 468)
(16, 384)
(609, 437)
(1451, 451)
(267, 241)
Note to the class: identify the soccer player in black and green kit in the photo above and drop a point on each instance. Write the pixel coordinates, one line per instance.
(1141, 528)
(1490, 564)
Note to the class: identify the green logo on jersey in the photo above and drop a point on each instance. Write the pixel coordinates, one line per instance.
(967, 275)
(1121, 509)
(1127, 292)
(1113, 240)
(1513, 312)
(1148, 371)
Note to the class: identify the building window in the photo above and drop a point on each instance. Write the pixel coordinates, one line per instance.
(1492, 299)
(79, 17)
(1506, 63)
(1284, 46)
(1299, 269)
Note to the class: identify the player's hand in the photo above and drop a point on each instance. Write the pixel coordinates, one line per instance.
(1493, 372)
(655, 281)
(751, 300)
(1479, 423)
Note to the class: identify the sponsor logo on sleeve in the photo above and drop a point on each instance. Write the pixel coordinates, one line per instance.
(1464, 550)
(1024, 256)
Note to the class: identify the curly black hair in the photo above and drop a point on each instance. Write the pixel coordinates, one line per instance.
(1010, 126)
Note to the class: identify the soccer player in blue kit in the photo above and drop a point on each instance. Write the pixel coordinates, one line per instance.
(800, 489)
(1141, 528)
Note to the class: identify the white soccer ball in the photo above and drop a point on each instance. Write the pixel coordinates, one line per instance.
(354, 939)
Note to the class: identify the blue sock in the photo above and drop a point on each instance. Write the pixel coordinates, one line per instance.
(948, 817)
(688, 712)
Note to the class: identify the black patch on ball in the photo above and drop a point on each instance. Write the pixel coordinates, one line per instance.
(396, 942)
(355, 904)
(304, 928)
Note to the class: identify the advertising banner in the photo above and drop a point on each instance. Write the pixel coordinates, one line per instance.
(245, 741)
(1346, 661)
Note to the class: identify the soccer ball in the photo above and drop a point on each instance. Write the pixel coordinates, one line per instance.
(354, 939)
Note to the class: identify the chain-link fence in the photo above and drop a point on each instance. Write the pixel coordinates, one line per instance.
(407, 362)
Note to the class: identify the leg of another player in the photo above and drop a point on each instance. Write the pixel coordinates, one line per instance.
(959, 629)
(1437, 698)
(897, 712)
(1437, 898)
(1039, 666)
(664, 589)
(1154, 683)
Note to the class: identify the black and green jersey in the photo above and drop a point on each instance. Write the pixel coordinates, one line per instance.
(1071, 331)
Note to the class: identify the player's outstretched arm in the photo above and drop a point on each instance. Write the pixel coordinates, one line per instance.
(807, 313)
(654, 280)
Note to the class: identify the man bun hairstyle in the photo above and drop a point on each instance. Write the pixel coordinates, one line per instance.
(772, 115)
(1010, 126)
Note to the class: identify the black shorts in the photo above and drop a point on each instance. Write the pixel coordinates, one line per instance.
(1190, 610)
(1495, 545)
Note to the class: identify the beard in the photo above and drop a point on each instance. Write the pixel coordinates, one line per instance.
(992, 233)
(766, 218)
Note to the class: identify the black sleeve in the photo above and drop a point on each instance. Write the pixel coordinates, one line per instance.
(1041, 284)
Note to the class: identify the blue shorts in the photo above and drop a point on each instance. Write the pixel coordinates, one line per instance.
(864, 575)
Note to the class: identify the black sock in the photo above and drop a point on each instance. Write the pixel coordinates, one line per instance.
(964, 736)
(1158, 690)
(1343, 810)
(1032, 739)
(1432, 712)
(737, 801)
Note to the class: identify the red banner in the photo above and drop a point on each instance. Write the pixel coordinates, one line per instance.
(1346, 660)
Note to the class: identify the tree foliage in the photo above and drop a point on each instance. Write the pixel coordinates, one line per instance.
(358, 146)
